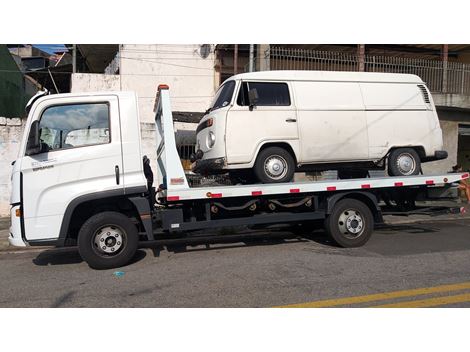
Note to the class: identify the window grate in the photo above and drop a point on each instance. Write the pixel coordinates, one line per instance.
(425, 93)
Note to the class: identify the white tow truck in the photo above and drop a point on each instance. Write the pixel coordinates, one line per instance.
(79, 181)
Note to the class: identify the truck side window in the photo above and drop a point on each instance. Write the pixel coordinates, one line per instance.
(69, 126)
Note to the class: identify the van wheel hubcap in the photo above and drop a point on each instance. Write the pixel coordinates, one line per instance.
(406, 164)
(351, 223)
(108, 240)
(275, 167)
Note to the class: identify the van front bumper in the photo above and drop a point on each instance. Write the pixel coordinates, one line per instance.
(203, 166)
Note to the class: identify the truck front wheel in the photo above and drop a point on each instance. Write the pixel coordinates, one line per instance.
(350, 224)
(107, 240)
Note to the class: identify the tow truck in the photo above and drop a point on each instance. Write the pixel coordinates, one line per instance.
(95, 196)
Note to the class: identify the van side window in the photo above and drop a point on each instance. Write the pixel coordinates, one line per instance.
(69, 126)
(269, 94)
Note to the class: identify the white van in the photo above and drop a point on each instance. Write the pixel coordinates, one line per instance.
(272, 123)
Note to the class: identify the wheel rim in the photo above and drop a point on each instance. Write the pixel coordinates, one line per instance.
(406, 164)
(109, 240)
(351, 223)
(275, 167)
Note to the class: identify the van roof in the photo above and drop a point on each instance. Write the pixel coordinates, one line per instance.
(336, 76)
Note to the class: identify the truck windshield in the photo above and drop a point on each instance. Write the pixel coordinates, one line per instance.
(223, 97)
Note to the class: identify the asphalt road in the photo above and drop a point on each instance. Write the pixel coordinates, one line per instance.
(277, 270)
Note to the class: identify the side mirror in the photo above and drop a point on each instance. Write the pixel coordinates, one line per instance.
(33, 146)
(252, 98)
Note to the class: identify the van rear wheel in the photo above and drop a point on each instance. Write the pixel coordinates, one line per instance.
(274, 165)
(404, 162)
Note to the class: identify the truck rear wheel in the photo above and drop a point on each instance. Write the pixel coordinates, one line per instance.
(350, 224)
(107, 240)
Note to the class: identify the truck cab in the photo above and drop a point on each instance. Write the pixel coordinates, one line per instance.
(74, 146)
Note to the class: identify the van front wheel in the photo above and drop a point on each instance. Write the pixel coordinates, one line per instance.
(404, 162)
(274, 165)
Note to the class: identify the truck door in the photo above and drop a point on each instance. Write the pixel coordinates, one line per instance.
(80, 154)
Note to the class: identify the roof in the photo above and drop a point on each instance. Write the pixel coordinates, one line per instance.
(338, 76)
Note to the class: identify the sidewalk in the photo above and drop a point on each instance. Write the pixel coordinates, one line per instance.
(388, 219)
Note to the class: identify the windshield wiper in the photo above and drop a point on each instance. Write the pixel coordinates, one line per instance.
(208, 111)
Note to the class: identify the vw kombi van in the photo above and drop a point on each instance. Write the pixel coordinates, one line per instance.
(271, 124)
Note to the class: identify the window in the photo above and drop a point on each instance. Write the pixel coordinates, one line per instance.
(223, 97)
(269, 94)
(69, 126)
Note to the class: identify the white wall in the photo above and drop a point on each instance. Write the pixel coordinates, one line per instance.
(11, 132)
(143, 67)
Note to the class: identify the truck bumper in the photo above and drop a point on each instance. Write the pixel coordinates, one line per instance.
(16, 241)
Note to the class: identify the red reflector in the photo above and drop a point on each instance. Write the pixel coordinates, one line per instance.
(465, 175)
(256, 193)
(172, 198)
(429, 182)
(365, 186)
(331, 188)
(398, 184)
(216, 195)
(294, 190)
(163, 86)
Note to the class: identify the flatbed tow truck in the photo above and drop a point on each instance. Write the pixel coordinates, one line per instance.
(110, 228)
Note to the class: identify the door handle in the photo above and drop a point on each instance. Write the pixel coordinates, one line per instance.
(291, 120)
(116, 171)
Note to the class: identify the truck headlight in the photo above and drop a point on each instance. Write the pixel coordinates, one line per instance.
(210, 139)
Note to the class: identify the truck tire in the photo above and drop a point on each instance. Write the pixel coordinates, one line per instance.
(350, 224)
(404, 162)
(107, 240)
(274, 165)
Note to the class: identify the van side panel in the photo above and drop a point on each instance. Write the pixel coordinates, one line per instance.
(397, 115)
(332, 121)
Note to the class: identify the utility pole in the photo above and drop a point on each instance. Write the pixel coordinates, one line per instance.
(235, 59)
(74, 58)
(252, 58)
(361, 53)
(445, 60)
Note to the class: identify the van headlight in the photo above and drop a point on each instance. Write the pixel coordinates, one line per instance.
(210, 139)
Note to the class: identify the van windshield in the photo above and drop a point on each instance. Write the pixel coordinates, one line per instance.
(223, 97)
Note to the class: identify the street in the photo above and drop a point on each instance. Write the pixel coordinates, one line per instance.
(401, 264)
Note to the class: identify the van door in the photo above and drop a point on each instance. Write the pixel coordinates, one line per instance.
(332, 121)
(272, 119)
(80, 154)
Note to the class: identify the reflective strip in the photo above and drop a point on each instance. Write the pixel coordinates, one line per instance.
(294, 190)
(256, 193)
(429, 182)
(398, 184)
(216, 195)
(465, 175)
(331, 188)
(172, 198)
(365, 185)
